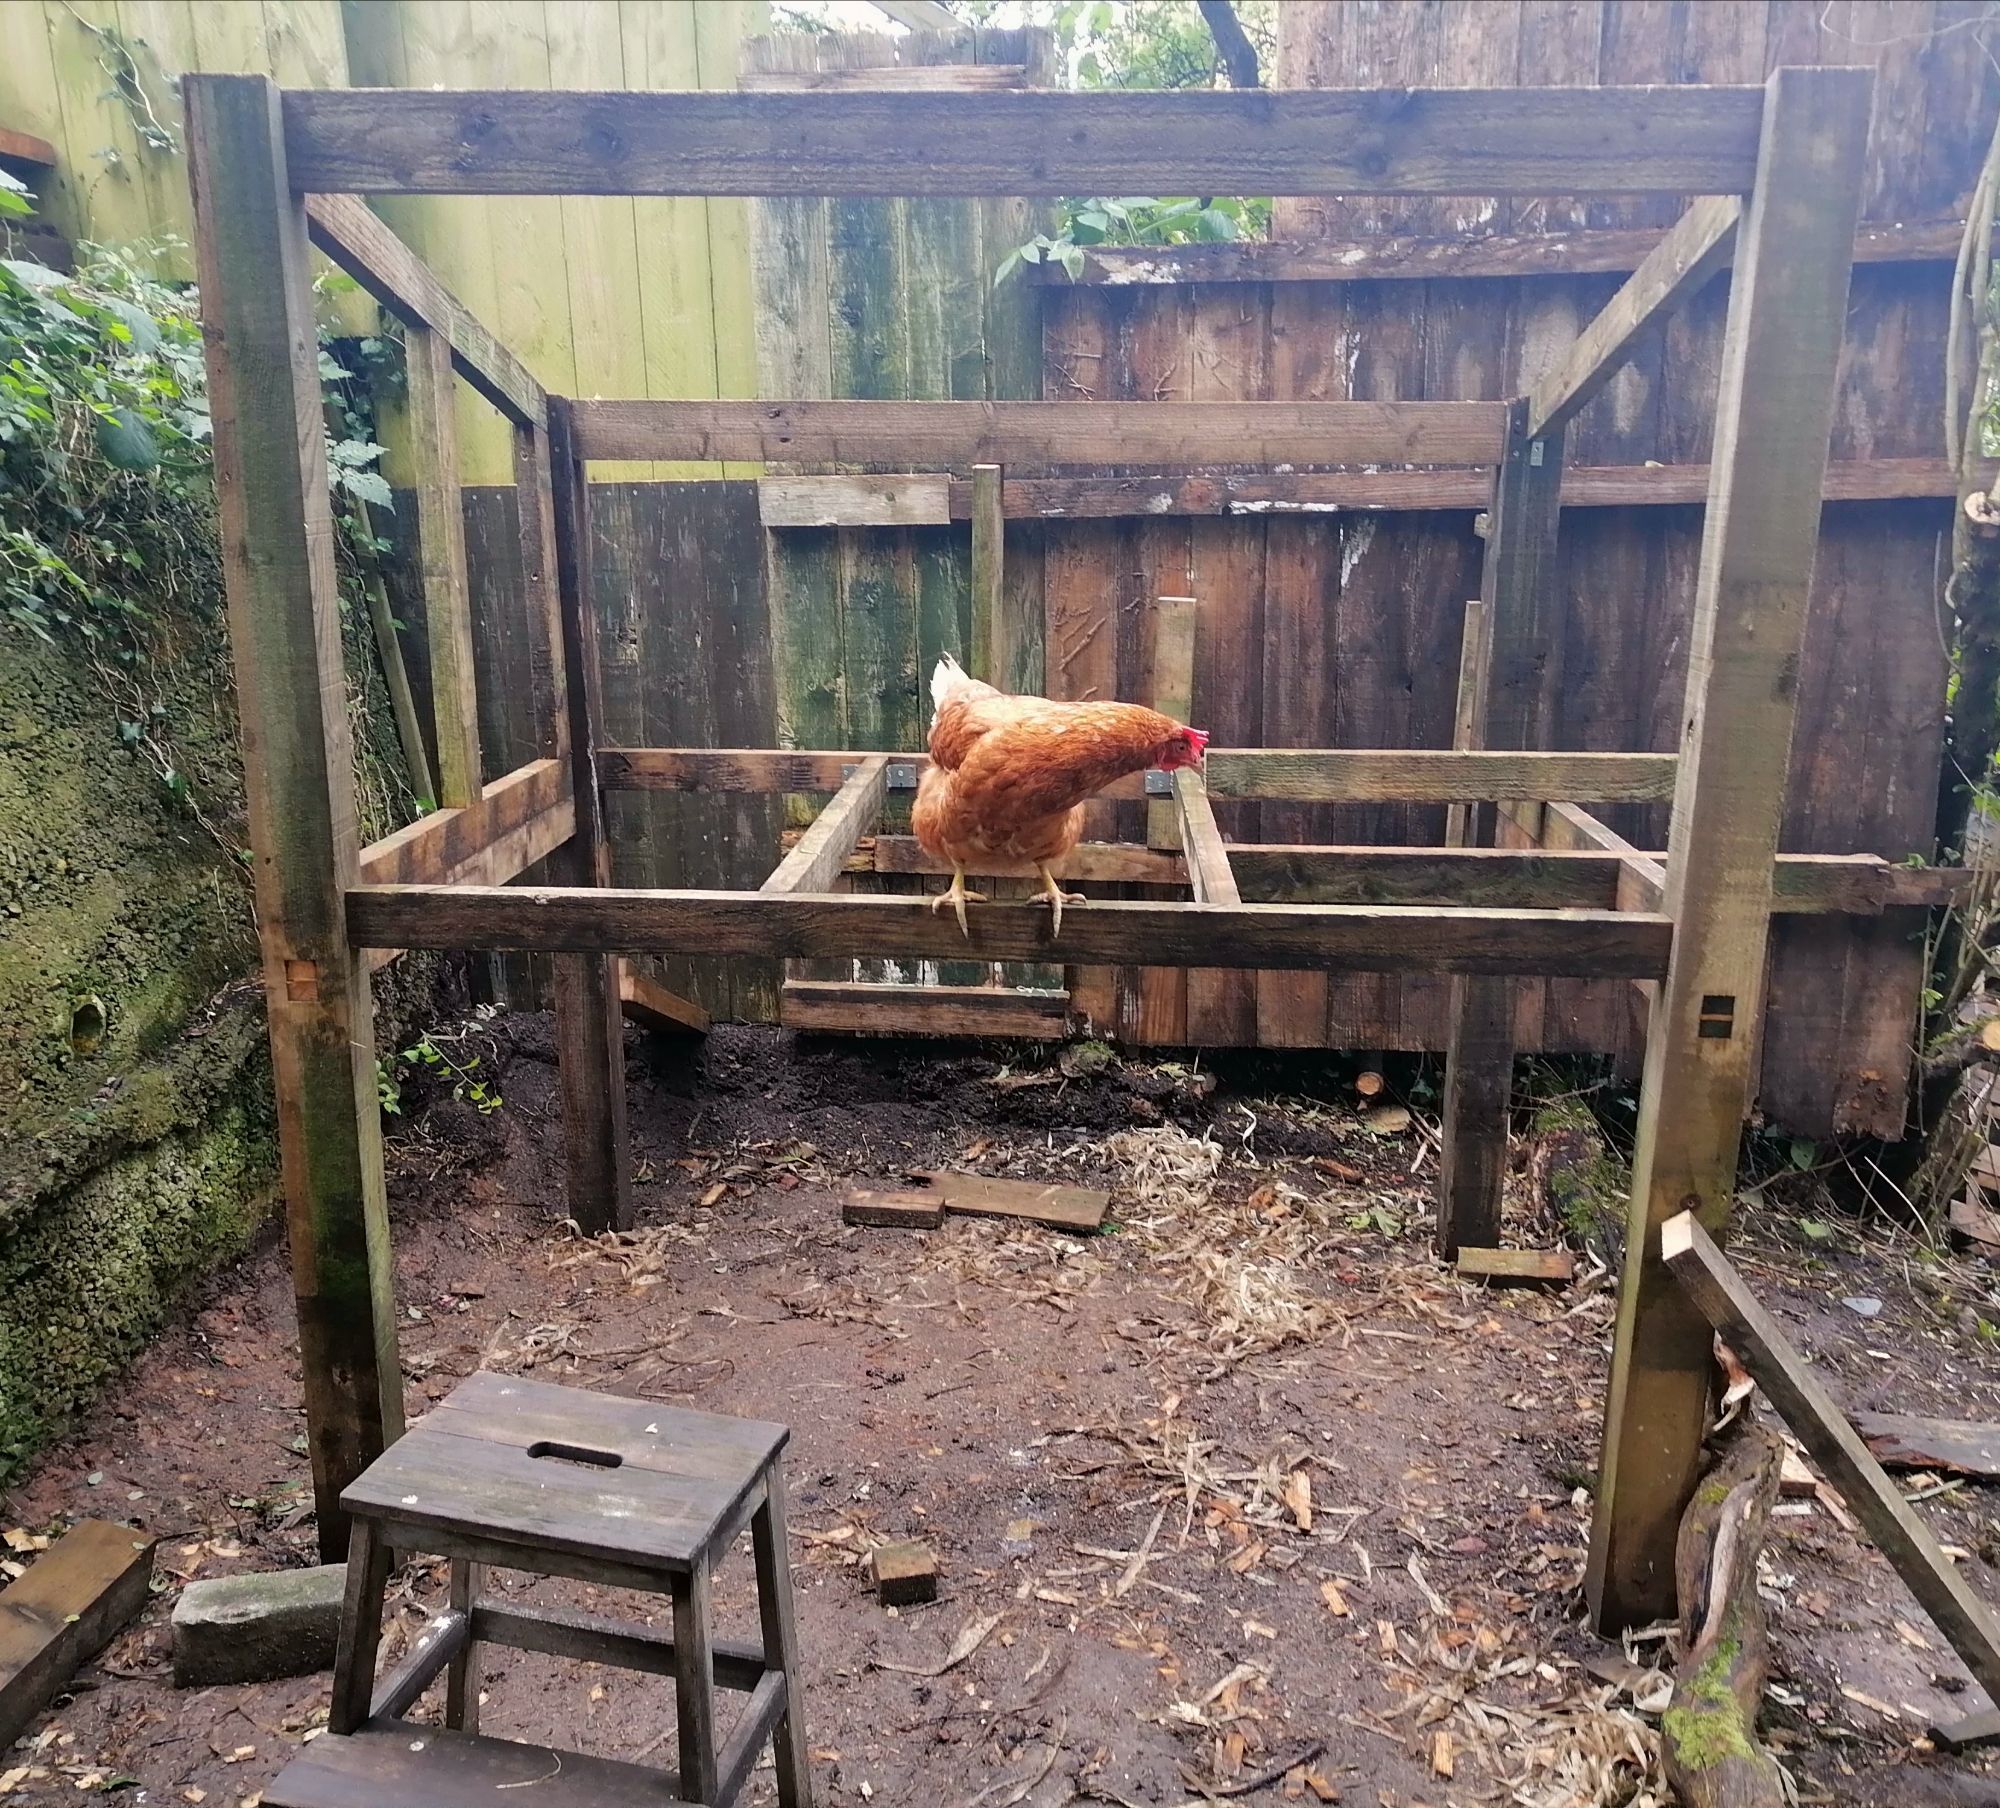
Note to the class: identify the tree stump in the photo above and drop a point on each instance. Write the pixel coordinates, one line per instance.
(1710, 1728)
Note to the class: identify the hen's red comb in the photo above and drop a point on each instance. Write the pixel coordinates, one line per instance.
(1199, 736)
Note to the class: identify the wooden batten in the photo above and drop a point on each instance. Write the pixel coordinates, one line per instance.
(1439, 141)
(941, 434)
(893, 1010)
(821, 852)
(1387, 939)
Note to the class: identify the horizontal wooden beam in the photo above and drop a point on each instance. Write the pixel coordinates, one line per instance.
(939, 434)
(812, 1004)
(1696, 249)
(958, 78)
(1642, 878)
(1353, 141)
(468, 843)
(1609, 251)
(1740, 1319)
(1571, 877)
(364, 246)
(919, 500)
(1303, 775)
(1570, 943)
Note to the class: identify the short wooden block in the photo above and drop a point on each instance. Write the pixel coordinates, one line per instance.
(64, 1611)
(1957, 1446)
(1976, 1225)
(893, 1210)
(1058, 1207)
(905, 1573)
(647, 1003)
(1518, 1267)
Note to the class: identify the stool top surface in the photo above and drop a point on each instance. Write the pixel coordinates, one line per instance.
(560, 1469)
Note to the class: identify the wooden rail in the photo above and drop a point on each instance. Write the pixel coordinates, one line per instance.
(1500, 255)
(933, 499)
(1301, 775)
(1421, 141)
(967, 433)
(1575, 943)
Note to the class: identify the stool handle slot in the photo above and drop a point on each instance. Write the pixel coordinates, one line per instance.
(575, 1453)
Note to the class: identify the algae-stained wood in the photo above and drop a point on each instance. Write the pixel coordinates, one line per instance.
(284, 610)
(1787, 310)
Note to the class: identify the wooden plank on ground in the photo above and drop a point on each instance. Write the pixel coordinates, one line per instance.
(1781, 351)
(893, 1208)
(1575, 943)
(1976, 1225)
(1517, 1267)
(1696, 249)
(900, 1010)
(76, 1596)
(285, 639)
(1610, 250)
(1532, 141)
(821, 853)
(1906, 1441)
(984, 1196)
(937, 434)
(1726, 1305)
(644, 1001)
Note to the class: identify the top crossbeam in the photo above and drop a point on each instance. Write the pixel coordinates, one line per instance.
(1435, 141)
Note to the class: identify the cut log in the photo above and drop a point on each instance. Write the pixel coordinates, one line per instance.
(1709, 1730)
(1579, 1185)
(905, 1574)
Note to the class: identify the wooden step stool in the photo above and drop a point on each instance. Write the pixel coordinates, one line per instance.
(559, 1482)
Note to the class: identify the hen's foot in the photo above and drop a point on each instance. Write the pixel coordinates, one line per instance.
(1055, 898)
(958, 897)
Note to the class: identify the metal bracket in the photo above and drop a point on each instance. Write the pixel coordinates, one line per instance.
(902, 774)
(1159, 784)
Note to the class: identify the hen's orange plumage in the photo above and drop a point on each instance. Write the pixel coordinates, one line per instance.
(1009, 776)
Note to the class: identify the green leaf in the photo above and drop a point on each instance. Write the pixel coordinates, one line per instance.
(370, 486)
(1072, 260)
(1818, 1232)
(1803, 1152)
(126, 441)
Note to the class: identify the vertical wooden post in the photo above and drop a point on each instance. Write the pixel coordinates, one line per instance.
(1780, 354)
(1458, 818)
(590, 1029)
(432, 424)
(989, 573)
(1511, 706)
(284, 631)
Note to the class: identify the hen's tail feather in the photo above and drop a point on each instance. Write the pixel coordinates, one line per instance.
(950, 681)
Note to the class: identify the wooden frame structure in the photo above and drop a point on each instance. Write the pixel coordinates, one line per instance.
(1539, 888)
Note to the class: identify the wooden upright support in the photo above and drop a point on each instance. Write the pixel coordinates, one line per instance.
(1780, 353)
(590, 1030)
(989, 571)
(284, 630)
(1511, 707)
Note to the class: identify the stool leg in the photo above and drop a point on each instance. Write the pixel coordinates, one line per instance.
(461, 1680)
(360, 1628)
(781, 1640)
(694, 1685)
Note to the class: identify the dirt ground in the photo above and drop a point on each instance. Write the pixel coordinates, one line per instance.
(1243, 1500)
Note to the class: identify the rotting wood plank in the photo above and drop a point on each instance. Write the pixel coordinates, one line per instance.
(1725, 1305)
(1787, 312)
(912, 499)
(285, 639)
(1532, 141)
(590, 1027)
(928, 499)
(73, 1599)
(816, 861)
(1058, 1207)
(1006, 433)
(1607, 250)
(944, 1010)
(1344, 774)
(1907, 1441)
(1696, 249)
(1516, 1267)
(1388, 939)
(363, 245)
(431, 427)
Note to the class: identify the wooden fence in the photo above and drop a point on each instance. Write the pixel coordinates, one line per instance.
(1342, 628)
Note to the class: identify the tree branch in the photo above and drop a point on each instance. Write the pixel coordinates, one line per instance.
(1239, 55)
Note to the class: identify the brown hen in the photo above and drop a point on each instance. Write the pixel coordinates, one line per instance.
(1009, 776)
